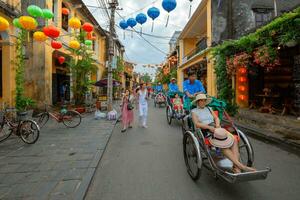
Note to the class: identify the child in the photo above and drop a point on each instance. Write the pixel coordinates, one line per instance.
(178, 105)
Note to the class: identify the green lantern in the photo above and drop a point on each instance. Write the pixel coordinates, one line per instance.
(47, 14)
(16, 23)
(34, 11)
(88, 42)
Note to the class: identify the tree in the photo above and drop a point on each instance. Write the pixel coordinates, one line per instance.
(146, 78)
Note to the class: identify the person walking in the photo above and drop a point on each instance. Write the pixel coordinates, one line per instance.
(127, 110)
(143, 105)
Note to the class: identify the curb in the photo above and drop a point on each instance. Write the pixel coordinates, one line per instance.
(281, 142)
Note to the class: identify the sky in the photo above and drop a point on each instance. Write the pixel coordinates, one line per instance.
(137, 50)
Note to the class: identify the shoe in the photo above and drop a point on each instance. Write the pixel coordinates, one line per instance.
(145, 126)
(129, 126)
(123, 130)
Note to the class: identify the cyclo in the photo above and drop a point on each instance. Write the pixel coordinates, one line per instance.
(171, 111)
(160, 98)
(199, 153)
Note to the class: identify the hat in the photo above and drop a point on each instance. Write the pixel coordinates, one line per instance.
(221, 138)
(173, 79)
(201, 96)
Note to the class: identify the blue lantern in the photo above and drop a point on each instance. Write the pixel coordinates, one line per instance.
(153, 13)
(132, 23)
(169, 5)
(141, 19)
(123, 24)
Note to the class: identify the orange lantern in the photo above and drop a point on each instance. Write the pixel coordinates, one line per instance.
(28, 23)
(89, 35)
(243, 70)
(74, 23)
(4, 24)
(242, 79)
(56, 44)
(242, 88)
(65, 11)
(51, 31)
(74, 44)
(39, 36)
(242, 97)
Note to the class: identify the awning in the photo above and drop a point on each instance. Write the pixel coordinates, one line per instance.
(103, 83)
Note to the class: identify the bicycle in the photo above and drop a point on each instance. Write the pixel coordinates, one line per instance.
(69, 118)
(27, 130)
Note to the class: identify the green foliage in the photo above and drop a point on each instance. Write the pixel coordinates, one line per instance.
(22, 102)
(165, 79)
(82, 66)
(280, 31)
(146, 78)
(119, 70)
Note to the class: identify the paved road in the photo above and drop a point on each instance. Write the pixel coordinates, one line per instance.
(147, 164)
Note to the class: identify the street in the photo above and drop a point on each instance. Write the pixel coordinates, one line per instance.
(148, 164)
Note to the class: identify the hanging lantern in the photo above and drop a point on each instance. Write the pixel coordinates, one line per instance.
(94, 38)
(141, 19)
(242, 88)
(242, 70)
(74, 23)
(87, 27)
(61, 59)
(56, 44)
(65, 11)
(88, 42)
(132, 23)
(51, 31)
(123, 24)
(242, 97)
(39, 36)
(34, 11)
(47, 14)
(4, 24)
(169, 5)
(28, 23)
(16, 23)
(153, 13)
(89, 35)
(74, 44)
(242, 79)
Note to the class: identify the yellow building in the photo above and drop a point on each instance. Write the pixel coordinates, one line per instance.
(194, 45)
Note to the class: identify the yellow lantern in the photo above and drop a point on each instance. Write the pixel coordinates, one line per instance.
(74, 44)
(40, 36)
(74, 23)
(28, 23)
(3, 24)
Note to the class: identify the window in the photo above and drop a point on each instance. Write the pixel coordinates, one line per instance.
(262, 16)
(64, 19)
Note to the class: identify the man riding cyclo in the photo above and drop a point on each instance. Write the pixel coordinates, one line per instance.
(159, 93)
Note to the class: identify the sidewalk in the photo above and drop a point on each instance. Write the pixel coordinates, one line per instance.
(59, 166)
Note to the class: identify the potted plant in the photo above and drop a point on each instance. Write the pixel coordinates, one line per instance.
(236, 61)
(266, 57)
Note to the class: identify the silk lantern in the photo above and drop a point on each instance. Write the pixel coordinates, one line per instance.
(28, 23)
(169, 5)
(74, 23)
(39, 36)
(242, 97)
(47, 14)
(56, 44)
(74, 44)
(87, 27)
(242, 70)
(35, 11)
(123, 24)
(88, 42)
(242, 88)
(51, 31)
(153, 13)
(65, 11)
(4, 24)
(16, 23)
(242, 79)
(141, 19)
(61, 59)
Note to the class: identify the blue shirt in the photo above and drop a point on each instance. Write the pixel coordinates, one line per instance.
(193, 88)
(173, 87)
(159, 88)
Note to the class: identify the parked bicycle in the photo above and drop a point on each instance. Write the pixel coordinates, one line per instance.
(69, 118)
(10, 123)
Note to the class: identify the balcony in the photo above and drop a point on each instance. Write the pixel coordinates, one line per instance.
(200, 46)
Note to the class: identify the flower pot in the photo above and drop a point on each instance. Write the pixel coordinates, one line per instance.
(291, 43)
(22, 115)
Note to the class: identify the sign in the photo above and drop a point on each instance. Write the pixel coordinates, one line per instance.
(114, 63)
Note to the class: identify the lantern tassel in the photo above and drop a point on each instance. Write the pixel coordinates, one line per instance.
(190, 10)
(167, 21)
(141, 30)
(131, 33)
(124, 34)
(152, 26)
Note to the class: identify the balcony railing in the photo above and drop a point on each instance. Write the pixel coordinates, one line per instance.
(201, 45)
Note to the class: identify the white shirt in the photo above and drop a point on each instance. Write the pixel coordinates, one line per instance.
(204, 115)
(142, 97)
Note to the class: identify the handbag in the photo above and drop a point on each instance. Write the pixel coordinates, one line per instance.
(130, 106)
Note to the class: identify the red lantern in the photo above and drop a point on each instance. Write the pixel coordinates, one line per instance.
(242, 88)
(61, 59)
(242, 97)
(51, 31)
(89, 35)
(56, 44)
(242, 79)
(87, 27)
(65, 11)
(243, 70)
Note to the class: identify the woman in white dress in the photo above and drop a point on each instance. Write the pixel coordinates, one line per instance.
(143, 104)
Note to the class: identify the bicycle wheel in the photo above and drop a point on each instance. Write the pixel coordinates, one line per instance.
(5, 132)
(71, 119)
(43, 119)
(29, 131)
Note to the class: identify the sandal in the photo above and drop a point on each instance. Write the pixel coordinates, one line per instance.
(236, 170)
(249, 169)
(129, 126)
(123, 130)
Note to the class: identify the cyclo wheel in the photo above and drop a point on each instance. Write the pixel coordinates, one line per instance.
(5, 131)
(71, 119)
(246, 150)
(43, 119)
(29, 131)
(191, 157)
(169, 114)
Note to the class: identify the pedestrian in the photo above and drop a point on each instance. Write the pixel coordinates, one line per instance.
(143, 105)
(127, 110)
